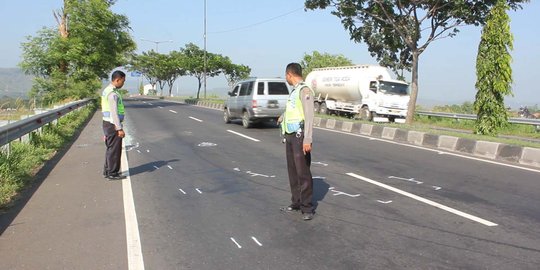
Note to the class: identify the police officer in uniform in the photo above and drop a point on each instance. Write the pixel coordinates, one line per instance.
(113, 115)
(297, 127)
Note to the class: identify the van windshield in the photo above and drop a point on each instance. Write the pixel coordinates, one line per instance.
(277, 88)
(393, 88)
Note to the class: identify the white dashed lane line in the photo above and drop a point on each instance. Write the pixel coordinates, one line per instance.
(242, 135)
(193, 118)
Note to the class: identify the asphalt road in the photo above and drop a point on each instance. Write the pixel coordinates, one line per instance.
(207, 196)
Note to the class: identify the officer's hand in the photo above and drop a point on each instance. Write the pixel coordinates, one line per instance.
(280, 119)
(121, 134)
(307, 148)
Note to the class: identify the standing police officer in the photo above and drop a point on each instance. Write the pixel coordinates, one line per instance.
(297, 126)
(113, 115)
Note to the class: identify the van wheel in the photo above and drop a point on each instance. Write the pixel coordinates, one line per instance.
(365, 114)
(226, 116)
(323, 109)
(245, 120)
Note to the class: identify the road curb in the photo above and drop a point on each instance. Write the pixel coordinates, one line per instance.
(491, 150)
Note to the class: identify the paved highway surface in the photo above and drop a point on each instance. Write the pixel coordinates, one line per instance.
(207, 196)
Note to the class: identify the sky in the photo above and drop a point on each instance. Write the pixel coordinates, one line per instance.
(268, 34)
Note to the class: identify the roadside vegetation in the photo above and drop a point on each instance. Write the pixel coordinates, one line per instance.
(21, 161)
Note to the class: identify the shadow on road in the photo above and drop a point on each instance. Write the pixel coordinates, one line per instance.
(150, 167)
(320, 189)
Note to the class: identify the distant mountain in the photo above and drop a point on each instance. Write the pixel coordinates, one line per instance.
(14, 83)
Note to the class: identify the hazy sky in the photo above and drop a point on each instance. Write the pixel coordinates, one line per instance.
(268, 34)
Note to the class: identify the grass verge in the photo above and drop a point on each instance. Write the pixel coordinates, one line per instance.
(18, 168)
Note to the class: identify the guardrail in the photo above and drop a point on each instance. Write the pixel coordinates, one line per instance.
(524, 121)
(18, 129)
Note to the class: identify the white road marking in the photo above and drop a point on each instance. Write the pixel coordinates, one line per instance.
(242, 135)
(436, 187)
(385, 202)
(198, 190)
(405, 179)
(256, 241)
(318, 177)
(193, 118)
(319, 163)
(139, 151)
(172, 111)
(206, 144)
(426, 201)
(156, 167)
(147, 151)
(181, 190)
(160, 107)
(337, 192)
(150, 104)
(236, 169)
(258, 174)
(433, 150)
(168, 166)
(134, 250)
(238, 245)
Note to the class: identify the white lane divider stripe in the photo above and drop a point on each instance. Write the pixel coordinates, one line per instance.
(173, 111)
(193, 118)
(426, 201)
(134, 250)
(242, 135)
(256, 241)
(238, 245)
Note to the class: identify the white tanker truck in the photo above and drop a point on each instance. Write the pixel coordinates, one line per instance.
(363, 91)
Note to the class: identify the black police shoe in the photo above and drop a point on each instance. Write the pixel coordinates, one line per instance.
(307, 216)
(116, 177)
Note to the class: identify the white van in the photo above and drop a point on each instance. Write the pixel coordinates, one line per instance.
(256, 100)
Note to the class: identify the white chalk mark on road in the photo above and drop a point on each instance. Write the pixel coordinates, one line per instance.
(173, 111)
(238, 245)
(319, 163)
(337, 193)
(193, 118)
(405, 179)
(426, 201)
(181, 190)
(156, 167)
(206, 144)
(436, 187)
(160, 107)
(139, 151)
(384, 202)
(198, 190)
(256, 241)
(242, 135)
(168, 166)
(147, 151)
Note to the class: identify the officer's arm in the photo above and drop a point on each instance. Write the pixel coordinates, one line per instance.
(113, 105)
(307, 104)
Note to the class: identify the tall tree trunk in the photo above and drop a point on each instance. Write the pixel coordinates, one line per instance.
(414, 88)
(199, 90)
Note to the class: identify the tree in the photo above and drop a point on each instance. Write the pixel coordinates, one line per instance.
(403, 30)
(146, 63)
(493, 71)
(70, 61)
(318, 60)
(234, 73)
(194, 64)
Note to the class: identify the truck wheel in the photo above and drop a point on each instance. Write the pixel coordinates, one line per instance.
(245, 120)
(365, 114)
(226, 116)
(316, 107)
(323, 109)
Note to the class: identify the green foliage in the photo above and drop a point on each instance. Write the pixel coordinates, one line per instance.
(398, 32)
(494, 72)
(321, 60)
(71, 66)
(233, 72)
(465, 108)
(17, 169)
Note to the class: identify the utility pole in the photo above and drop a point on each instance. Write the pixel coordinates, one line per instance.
(204, 35)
